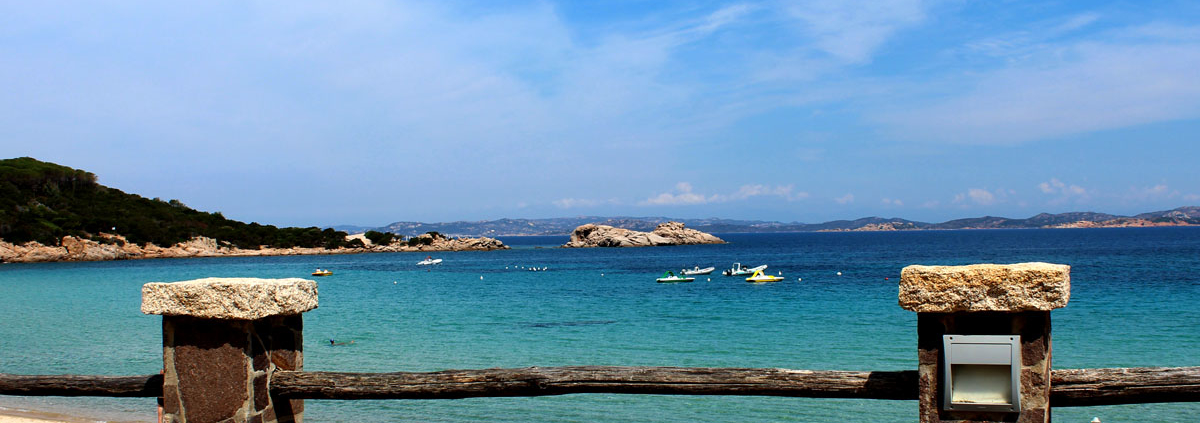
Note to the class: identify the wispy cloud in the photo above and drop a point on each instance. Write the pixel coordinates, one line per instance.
(684, 195)
(570, 203)
(1063, 192)
(852, 31)
(1057, 89)
(845, 199)
(979, 196)
(892, 202)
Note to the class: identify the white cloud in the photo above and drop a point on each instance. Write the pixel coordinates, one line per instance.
(892, 202)
(1191, 197)
(567, 203)
(851, 30)
(782, 191)
(1063, 192)
(1151, 193)
(979, 196)
(845, 199)
(1048, 90)
(684, 195)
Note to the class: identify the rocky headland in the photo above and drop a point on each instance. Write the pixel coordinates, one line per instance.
(115, 247)
(669, 233)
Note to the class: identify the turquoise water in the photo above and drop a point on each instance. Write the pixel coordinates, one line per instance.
(1135, 302)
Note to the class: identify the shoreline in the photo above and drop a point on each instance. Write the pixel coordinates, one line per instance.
(23, 415)
(73, 249)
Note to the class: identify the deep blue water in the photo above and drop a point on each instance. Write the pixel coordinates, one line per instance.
(1135, 302)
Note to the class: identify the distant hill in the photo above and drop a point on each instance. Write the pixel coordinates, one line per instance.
(44, 202)
(564, 225)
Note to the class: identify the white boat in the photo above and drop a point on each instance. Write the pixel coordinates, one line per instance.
(698, 271)
(759, 276)
(671, 277)
(428, 261)
(738, 270)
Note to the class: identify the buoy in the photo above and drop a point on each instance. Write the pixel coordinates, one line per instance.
(393, 282)
(710, 279)
(602, 275)
(480, 277)
(887, 279)
(839, 273)
(799, 279)
(1095, 420)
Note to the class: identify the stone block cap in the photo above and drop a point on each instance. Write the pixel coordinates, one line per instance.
(230, 298)
(985, 287)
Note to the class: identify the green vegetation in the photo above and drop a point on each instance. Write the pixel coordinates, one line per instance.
(43, 202)
(380, 238)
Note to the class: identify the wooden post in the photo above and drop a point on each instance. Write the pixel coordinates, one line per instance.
(222, 340)
(985, 299)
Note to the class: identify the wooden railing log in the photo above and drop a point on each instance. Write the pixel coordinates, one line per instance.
(1136, 385)
(81, 385)
(541, 381)
(1069, 387)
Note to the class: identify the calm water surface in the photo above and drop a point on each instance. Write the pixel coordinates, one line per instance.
(1135, 301)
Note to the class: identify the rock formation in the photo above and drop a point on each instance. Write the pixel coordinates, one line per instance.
(669, 233)
(115, 247)
(439, 242)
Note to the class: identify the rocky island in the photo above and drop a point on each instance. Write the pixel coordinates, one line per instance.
(669, 233)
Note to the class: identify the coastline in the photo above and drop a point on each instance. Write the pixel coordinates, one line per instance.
(115, 247)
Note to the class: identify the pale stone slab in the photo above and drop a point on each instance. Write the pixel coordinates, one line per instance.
(985, 287)
(230, 298)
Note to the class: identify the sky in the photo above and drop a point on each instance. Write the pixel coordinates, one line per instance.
(371, 112)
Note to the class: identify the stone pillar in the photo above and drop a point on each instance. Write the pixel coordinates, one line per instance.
(222, 339)
(985, 299)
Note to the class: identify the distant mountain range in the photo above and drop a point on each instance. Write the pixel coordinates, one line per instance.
(564, 225)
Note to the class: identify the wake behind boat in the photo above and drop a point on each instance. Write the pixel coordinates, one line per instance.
(429, 260)
(738, 270)
(671, 277)
(698, 271)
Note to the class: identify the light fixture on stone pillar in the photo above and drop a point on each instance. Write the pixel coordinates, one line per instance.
(1007, 370)
(981, 373)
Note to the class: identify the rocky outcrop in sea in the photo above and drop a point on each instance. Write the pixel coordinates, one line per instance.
(115, 247)
(669, 233)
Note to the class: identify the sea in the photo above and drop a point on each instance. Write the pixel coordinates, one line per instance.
(1135, 301)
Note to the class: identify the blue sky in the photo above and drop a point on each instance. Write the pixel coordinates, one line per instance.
(369, 112)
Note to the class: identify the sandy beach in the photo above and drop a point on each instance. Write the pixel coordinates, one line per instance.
(9, 415)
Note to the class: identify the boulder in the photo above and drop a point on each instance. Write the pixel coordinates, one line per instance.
(669, 233)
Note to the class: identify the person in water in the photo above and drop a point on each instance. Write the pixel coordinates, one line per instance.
(335, 343)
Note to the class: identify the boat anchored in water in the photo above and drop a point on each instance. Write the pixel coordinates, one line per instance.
(698, 271)
(671, 277)
(738, 270)
(320, 272)
(428, 261)
(760, 277)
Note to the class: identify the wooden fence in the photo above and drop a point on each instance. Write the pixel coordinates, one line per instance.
(1069, 387)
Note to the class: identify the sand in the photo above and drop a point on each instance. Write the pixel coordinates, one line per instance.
(13, 415)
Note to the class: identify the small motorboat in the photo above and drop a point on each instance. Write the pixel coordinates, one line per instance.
(320, 272)
(429, 260)
(738, 270)
(759, 277)
(671, 277)
(698, 271)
